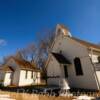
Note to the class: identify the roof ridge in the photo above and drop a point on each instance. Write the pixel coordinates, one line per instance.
(26, 64)
(86, 43)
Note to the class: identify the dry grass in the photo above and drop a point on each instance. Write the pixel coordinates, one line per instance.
(25, 96)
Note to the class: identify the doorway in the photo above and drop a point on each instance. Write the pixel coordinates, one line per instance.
(65, 71)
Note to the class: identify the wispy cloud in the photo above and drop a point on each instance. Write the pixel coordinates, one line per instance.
(3, 42)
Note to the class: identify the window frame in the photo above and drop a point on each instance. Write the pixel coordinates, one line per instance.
(26, 75)
(78, 66)
(31, 74)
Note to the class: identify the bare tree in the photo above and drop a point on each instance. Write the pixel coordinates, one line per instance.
(22, 54)
(5, 59)
(27, 53)
(45, 42)
(31, 49)
(37, 53)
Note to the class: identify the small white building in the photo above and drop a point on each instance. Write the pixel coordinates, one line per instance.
(18, 72)
(5, 75)
(73, 63)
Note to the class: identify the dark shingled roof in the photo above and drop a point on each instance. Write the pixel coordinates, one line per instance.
(85, 43)
(7, 69)
(60, 58)
(23, 64)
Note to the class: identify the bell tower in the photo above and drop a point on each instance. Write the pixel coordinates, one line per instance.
(62, 30)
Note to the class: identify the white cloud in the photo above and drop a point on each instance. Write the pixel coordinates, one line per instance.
(3, 42)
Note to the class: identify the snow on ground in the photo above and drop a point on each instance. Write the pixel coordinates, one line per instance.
(84, 97)
(5, 97)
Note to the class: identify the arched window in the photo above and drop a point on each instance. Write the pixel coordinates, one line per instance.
(78, 66)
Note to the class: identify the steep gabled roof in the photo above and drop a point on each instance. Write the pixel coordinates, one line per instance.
(60, 58)
(23, 64)
(85, 43)
(7, 69)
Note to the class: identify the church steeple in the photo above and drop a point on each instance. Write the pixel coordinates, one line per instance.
(61, 29)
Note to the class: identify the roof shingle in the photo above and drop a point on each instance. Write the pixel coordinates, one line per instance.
(7, 69)
(87, 44)
(23, 64)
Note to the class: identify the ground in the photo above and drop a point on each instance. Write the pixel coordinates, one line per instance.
(25, 96)
(27, 93)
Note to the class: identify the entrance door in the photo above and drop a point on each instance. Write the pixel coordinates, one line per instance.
(64, 81)
(65, 71)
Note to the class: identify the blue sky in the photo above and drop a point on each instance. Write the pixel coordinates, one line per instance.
(20, 20)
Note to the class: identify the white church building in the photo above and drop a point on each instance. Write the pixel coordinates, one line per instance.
(18, 72)
(72, 62)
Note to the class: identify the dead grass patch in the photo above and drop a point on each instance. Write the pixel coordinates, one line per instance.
(25, 96)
